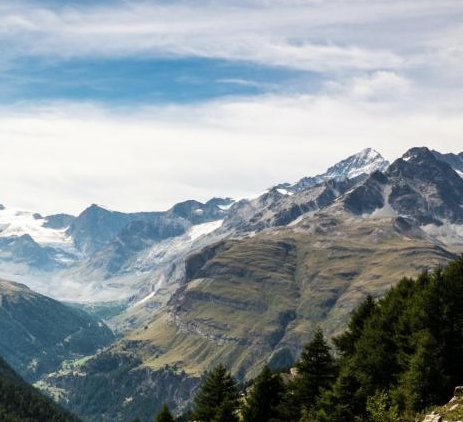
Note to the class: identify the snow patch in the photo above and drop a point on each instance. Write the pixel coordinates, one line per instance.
(202, 229)
(17, 222)
(252, 197)
(284, 192)
(226, 207)
(460, 173)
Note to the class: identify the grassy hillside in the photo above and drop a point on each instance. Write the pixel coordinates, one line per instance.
(256, 300)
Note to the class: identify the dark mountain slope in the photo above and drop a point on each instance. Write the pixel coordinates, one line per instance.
(38, 333)
(418, 186)
(19, 402)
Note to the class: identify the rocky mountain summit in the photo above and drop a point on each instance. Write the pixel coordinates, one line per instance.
(353, 167)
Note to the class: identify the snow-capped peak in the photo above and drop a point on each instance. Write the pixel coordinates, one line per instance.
(365, 162)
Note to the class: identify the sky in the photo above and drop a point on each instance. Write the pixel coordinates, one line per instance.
(136, 105)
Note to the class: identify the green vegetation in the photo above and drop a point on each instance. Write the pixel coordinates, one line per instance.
(39, 333)
(164, 415)
(265, 398)
(19, 402)
(217, 398)
(114, 386)
(399, 356)
(268, 292)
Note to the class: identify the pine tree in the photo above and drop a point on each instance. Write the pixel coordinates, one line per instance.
(164, 415)
(226, 412)
(266, 396)
(316, 370)
(217, 397)
(345, 343)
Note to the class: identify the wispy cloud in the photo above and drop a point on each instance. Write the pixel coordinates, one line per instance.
(310, 35)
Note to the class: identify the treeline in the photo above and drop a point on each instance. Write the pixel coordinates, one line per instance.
(398, 356)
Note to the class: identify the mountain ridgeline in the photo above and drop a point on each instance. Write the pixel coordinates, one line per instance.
(240, 283)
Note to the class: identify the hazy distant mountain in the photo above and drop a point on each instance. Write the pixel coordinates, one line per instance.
(453, 160)
(95, 227)
(284, 203)
(417, 186)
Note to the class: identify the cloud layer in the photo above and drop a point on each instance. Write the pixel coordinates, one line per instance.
(65, 157)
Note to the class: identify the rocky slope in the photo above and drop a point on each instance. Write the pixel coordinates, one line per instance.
(450, 412)
(268, 292)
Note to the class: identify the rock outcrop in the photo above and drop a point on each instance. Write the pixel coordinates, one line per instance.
(450, 412)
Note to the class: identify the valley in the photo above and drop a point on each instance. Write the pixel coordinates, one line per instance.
(243, 283)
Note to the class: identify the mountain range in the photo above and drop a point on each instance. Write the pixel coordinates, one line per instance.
(239, 282)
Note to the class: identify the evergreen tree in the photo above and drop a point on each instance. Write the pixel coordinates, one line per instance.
(408, 347)
(265, 397)
(164, 415)
(217, 397)
(316, 370)
(421, 385)
(345, 343)
(226, 412)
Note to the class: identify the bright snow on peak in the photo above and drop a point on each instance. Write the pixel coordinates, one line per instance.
(364, 162)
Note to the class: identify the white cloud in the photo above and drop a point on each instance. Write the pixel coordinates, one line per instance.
(64, 157)
(381, 86)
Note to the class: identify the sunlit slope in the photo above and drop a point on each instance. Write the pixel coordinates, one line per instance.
(258, 299)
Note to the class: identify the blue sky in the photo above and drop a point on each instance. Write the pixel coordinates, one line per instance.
(140, 104)
(145, 80)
